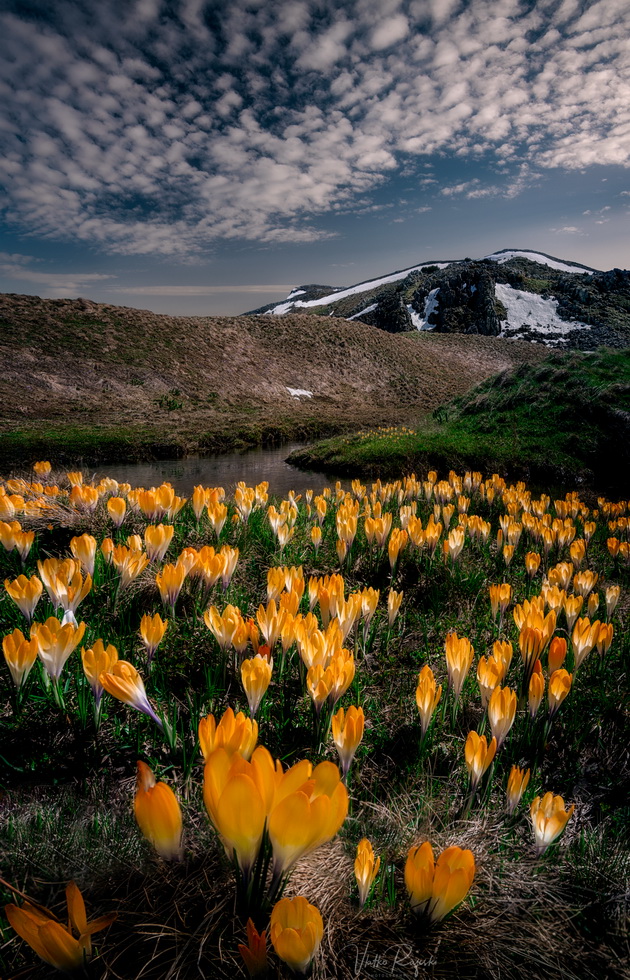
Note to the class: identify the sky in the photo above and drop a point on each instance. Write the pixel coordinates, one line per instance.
(202, 157)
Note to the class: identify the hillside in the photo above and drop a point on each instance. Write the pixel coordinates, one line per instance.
(566, 418)
(107, 382)
(512, 293)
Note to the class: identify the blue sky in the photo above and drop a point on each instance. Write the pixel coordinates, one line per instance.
(202, 157)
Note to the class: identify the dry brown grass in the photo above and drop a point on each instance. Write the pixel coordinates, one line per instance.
(81, 363)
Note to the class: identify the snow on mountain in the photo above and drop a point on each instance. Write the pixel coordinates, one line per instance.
(430, 305)
(368, 309)
(506, 254)
(361, 287)
(529, 313)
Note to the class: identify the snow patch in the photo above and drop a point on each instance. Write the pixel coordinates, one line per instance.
(368, 309)
(283, 308)
(501, 257)
(530, 312)
(296, 292)
(362, 287)
(299, 392)
(430, 306)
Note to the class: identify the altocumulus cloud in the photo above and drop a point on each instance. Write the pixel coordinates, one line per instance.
(160, 127)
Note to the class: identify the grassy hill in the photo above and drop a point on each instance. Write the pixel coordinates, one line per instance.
(82, 379)
(567, 417)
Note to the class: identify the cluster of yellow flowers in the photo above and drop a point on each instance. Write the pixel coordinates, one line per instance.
(267, 816)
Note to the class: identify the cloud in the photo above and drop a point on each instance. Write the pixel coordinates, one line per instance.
(154, 128)
(567, 230)
(51, 283)
(199, 290)
(65, 281)
(389, 32)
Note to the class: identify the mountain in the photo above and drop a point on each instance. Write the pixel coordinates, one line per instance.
(512, 293)
(101, 381)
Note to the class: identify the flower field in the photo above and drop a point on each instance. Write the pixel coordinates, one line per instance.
(372, 733)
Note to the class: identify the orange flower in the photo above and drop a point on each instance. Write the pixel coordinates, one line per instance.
(255, 953)
(365, 869)
(549, 818)
(158, 813)
(53, 942)
(435, 888)
(517, 784)
(296, 930)
(479, 756)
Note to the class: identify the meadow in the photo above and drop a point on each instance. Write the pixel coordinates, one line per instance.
(376, 733)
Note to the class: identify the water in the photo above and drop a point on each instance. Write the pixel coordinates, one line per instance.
(253, 466)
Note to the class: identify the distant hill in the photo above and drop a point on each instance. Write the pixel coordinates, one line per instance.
(512, 293)
(83, 378)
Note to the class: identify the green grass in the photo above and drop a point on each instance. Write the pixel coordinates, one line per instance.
(565, 418)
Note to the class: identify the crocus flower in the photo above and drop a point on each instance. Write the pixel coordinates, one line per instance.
(479, 756)
(490, 673)
(170, 581)
(459, 656)
(152, 630)
(97, 659)
(129, 564)
(235, 794)
(427, 697)
(572, 608)
(255, 953)
(158, 813)
(592, 605)
(117, 508)
(296, 931)
(124, 682)
(549, 818)
(517, 784)
(319, 683)
(234, 733)
(20, 655)
(270, 621)
(559, 687)
(347, 732)
(584, 638)
(536, 689)
(604, 638)
(557, 653)
(157, 539)
(83, 549)
(532, 562)
(223, 625)
(500, 596)
(435, 888)
(308, 817)
(23, 543)
(366, 868)
(25, 593)
(300, 808)
(612, 598)
(394, 600)
(55, 643)
(256, 675)
(42, 468)
(501, 712)
(53, 942)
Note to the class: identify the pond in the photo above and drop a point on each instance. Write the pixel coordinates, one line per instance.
(253, 466)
